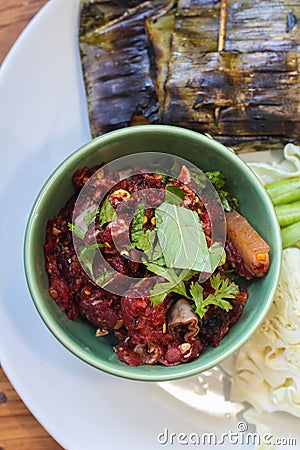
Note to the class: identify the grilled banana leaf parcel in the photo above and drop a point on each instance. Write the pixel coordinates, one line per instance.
(160, 29)
(250, 92)
(116, 64)
(160, 61)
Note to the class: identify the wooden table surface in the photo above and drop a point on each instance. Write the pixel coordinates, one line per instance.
(19, 430)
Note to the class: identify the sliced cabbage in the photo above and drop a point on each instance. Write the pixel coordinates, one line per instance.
(290, 166)
(266, 370)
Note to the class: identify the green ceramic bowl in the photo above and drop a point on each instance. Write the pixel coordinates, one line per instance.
(204, 152)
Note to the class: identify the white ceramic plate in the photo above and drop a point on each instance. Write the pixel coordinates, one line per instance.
(43, 118)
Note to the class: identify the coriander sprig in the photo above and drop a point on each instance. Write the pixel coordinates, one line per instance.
(223, 289)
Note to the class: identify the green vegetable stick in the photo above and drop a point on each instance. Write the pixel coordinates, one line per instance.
(288, 213)
(291, 235)
(284, 191)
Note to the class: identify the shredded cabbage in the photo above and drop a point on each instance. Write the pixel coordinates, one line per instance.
(290, 166)
(266, 370)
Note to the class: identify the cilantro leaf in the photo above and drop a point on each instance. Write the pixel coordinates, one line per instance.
(90, 216)
(159, 270)
(223, 290)
(80, 226)
(217, 179)
(169, 274)
(77, 230)
(161, 290)
(174, 283)
(86, 256)
(104, 278)
(137, 224)
(143, 240)
(196, 291)
(228, 202)
(107, 212)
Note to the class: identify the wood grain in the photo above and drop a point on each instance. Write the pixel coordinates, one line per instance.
(19, 430)
(14, 16)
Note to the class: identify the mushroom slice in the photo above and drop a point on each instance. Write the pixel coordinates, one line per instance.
(181, 318)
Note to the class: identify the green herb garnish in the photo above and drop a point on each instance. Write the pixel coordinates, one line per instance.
(77, 230)
(104, 278)
(107, 212)
(217, 179)
(143, 240)
(181, 227)
(137, 231)
(174, 283)
(90, 216)
(217, 255)
(146, 241)
(161, 290)
(174, 194)
(223, 289)
(88, 219)
(87, 254)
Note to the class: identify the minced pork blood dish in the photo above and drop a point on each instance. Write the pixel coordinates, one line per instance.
(182, 290)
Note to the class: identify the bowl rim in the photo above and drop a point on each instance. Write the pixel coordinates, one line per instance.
(126, 371)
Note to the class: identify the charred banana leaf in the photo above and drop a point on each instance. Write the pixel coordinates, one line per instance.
(95, 14)
(116, 64)
(246, 95)
(160, 61)
(160, 29)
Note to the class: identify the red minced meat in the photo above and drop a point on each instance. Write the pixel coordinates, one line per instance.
(140, 328)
